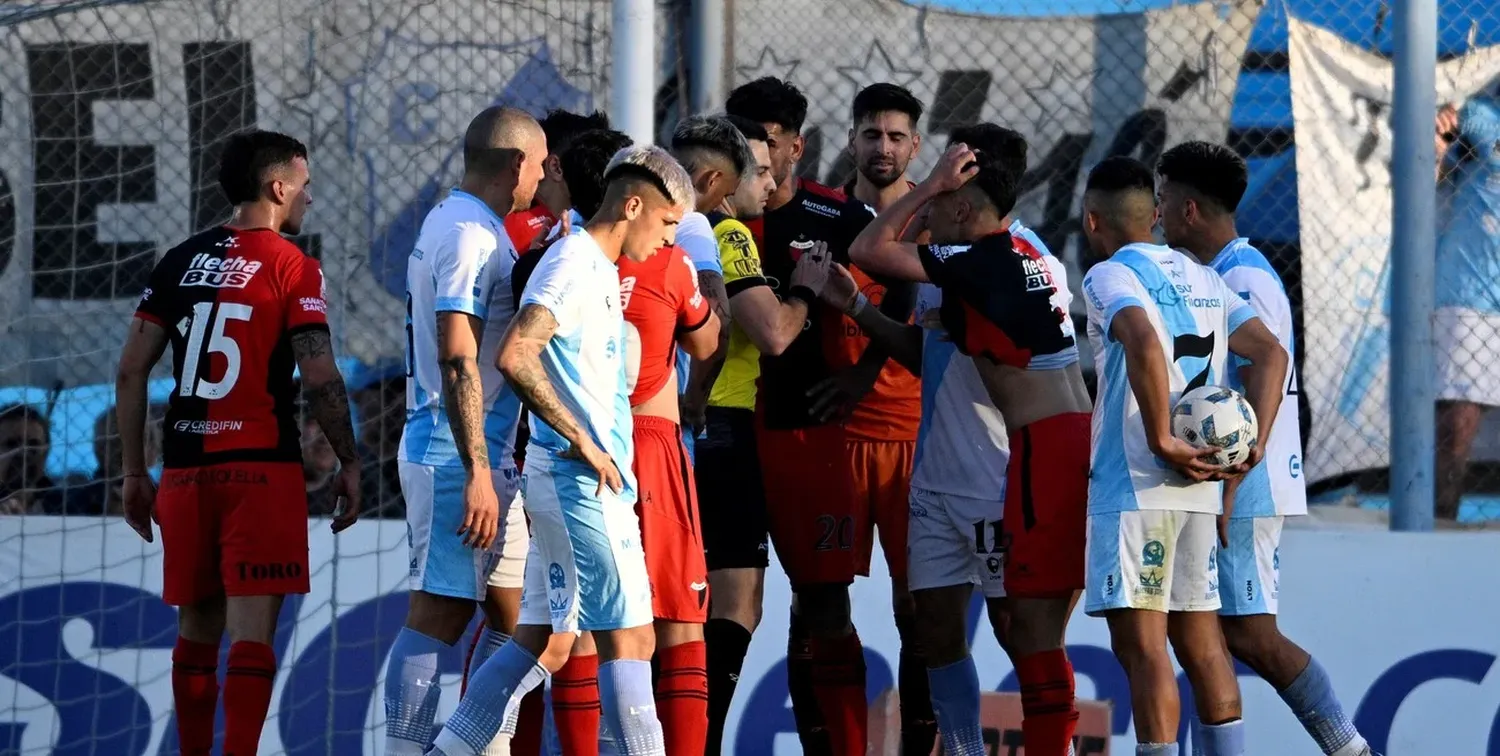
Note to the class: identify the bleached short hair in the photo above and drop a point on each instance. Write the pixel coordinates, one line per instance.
(656, 166)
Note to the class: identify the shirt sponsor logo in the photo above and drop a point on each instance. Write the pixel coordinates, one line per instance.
(821, 209)
(207, 427)
(313, 304)
(218, 476)
(945, 251)
(627, 287)
(1038, 275)
(219, 273)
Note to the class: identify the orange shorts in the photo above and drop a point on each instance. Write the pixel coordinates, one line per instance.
(670, 533)
(1046, 507)
(236, 529)
(825, 496)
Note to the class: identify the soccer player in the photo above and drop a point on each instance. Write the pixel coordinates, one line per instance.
(526, 225)
(821, 470)
(456, 460)
(565, 355)
(1161, 324)
(995, 297)
(1201, 185)
(240, 305)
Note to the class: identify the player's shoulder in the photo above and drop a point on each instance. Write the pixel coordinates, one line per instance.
(694, 222)
(1024, 235)
(1241, 258)
(819, 201)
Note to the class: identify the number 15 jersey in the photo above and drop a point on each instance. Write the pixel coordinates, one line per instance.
(1193, 312)
(230, 301)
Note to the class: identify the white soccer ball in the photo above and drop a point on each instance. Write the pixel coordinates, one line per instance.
(1216, 416)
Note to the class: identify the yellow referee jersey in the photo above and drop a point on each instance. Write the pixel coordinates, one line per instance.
(735, 386)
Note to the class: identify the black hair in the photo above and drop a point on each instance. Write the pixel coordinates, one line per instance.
(998, 151)
(711, 134)
(25, 412)
(1119, 174)
(886, 98)
(1213, 171)
(769, 100)
(750, 130)
(583, 167)
(564, 126)
(247, 158)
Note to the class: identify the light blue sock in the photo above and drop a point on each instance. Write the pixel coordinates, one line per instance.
(955, 700)
(1200, 738)
(1227, 739)
(629, 707)
(411, 692)
(489, 642)
(492, 701)
(1155, 749)
(1312, 699)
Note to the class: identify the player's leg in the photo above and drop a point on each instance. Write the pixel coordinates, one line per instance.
(1468, 343)
(1127, 583)
(263, 542)
(191, 581)
(734, 613)
(1249, 577)
(504, 579)
(446, 582)
(575, 699)
(1193, 627)
(890, 488)
(1457, 425)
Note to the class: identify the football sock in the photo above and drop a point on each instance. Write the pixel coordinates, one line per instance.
(838, 681)
(496, 690)
(627, 704)
(955, 699)
(805, 711)
(1200, 739)
(195, 694)
(1049, 716)
(469, 664)
(918, 723)
(1225, 739)
(575, 705)
(528, 738)
(682, 697)
(487, 642)
(247, 696)
(1156, 749)
(1312, 699)
(411, 692)
(727, 642)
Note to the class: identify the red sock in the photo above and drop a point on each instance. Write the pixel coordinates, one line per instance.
(195, 693)
(1049, 715)
(463, 684)
(682, 698)
(247, 696)
(528, 738)
(838, 679)
(575, 706)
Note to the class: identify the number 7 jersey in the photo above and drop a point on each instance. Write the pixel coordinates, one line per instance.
(1193, 312)
(230, 301)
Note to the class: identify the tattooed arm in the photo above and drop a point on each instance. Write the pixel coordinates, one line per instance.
(458, 362)
(143, 347)
(703, 373)
(323, 388)
(520, 361)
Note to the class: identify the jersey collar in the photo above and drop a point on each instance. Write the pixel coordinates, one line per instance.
(461, 194)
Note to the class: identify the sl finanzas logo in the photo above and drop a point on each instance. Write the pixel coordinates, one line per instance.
(328, 685)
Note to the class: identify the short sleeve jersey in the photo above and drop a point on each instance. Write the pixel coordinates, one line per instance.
(740, 262)
(1276, 485)
(462, 262)
(230, 300)
(585, 358)
(661, 300)
(1193, 312)
(526, 226)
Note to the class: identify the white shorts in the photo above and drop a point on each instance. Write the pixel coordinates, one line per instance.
(941, 549)
(1468, 348)
(1154, 559)
(586, 569)
(440, 563)
(1250, 567)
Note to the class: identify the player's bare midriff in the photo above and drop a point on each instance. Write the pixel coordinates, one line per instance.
(1026, 396)
(663, 404)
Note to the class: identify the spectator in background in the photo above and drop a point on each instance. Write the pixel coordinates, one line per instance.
(103, 494)
(319, 466)
(25, 440)
(380, 399)
(1467, 320)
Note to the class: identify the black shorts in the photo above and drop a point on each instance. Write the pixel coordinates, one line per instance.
(731, 496)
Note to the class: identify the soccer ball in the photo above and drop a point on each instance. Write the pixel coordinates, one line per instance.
(1216, 416)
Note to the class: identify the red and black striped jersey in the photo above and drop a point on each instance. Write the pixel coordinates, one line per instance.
(230, 301)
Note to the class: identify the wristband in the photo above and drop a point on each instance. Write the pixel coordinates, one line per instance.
(804, 293)
(857, 306)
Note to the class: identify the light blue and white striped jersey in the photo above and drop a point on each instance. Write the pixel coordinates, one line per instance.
(585, 359)
(1275, 486)
(1194, 312)
(462, 262)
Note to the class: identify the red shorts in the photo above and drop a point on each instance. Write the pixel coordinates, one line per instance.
(670, 535)
(881, 487)
(236, 529)
(808, 507)
(1046, 507)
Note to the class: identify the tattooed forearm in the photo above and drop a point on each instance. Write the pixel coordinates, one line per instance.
(521, 364)
(463, 393)
(311, 344)
(329, 404)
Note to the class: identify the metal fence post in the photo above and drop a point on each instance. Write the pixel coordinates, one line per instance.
(633, 80)
(706, 56)
(1413, 248)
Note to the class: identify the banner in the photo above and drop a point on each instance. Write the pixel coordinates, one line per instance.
(86, 645)
(1341, 101)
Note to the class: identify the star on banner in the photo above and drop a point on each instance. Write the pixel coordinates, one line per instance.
(878, 68)
(768, 64)
(1061, 101)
